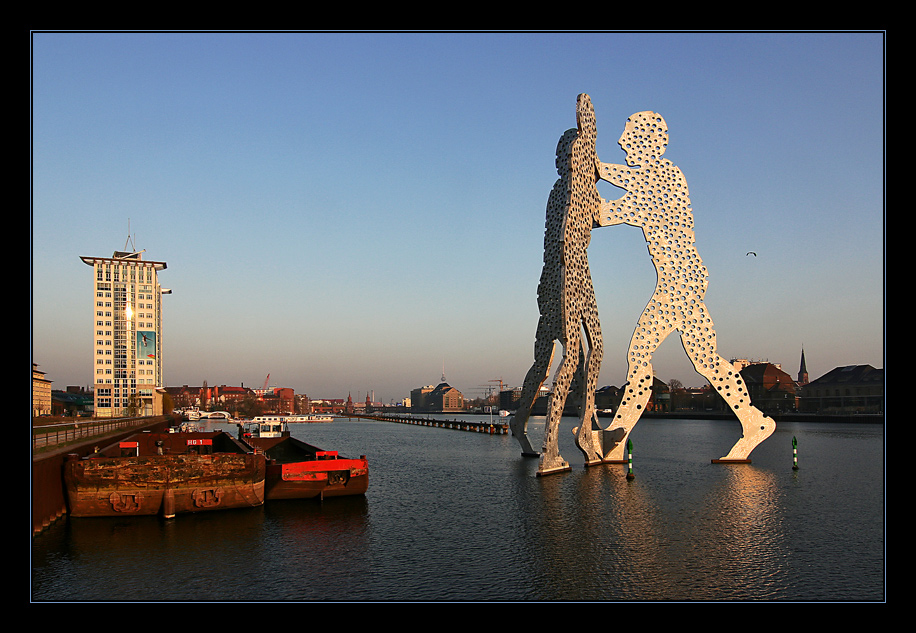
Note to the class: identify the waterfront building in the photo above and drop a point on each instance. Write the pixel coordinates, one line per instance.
(215, 398)
(278, 401)
(509, 398)
(72, 402)
(333, 405)
(770, 388)
(41, 392)
(127, 334)
(446, 398)
(418, 397)
(443, 398)
(847, 389)
(741, 363)
(607, 398)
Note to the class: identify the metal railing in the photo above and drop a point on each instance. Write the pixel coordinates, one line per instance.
(57, 434)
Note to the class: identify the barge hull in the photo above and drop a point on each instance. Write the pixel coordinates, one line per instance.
(308, 480)
(296, 470)
(169, 484)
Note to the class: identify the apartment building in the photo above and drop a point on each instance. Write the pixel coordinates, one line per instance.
(127, 334)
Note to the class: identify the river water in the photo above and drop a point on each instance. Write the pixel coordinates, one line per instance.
(458, 516)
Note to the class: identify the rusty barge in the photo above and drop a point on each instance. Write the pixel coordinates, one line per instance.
(165, 473)
(298, 470)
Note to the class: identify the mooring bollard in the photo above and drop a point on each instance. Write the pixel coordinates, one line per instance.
(794, 453)
(630, 474)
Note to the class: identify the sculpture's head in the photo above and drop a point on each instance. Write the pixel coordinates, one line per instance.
(585, 119)
(564, 151)
(644, 138)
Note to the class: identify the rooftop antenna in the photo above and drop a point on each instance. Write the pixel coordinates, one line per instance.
(130, 240)
(443, 371)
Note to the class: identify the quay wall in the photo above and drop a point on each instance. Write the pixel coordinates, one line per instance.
(49, 499)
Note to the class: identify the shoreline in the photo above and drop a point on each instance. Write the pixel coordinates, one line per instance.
(860, 418)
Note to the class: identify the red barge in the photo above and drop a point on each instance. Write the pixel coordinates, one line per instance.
(167, 473)
(297, 470)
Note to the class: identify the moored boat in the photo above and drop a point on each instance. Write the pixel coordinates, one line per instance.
(294, 418)
(167, 473)
(298, 470)
(190, 414)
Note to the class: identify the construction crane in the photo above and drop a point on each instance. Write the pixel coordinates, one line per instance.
(489, 388)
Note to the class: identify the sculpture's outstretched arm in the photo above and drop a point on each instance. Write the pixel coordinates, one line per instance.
(617, 175)
(611, 212)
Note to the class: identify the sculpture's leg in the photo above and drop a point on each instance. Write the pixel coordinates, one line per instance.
(551, 460)
(755, 427)
(637, 392)
(539, 372)
(728, 383)
(589, 436)
(638, 388)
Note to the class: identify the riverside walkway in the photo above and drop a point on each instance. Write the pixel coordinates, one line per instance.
(474, 426)
(50, 435)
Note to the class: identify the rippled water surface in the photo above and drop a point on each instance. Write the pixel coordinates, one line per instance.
(458, 516)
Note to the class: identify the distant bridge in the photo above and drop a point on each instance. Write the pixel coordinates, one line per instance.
(216, 415)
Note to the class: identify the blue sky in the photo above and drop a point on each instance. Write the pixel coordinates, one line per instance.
(355, 211)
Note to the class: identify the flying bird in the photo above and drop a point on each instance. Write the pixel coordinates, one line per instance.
(751, 253)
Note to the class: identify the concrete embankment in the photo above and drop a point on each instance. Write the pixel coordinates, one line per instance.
(49, 499)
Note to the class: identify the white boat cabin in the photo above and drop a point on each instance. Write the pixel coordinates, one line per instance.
(267, 426)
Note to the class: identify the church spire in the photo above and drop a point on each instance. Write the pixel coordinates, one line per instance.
(803, 370)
